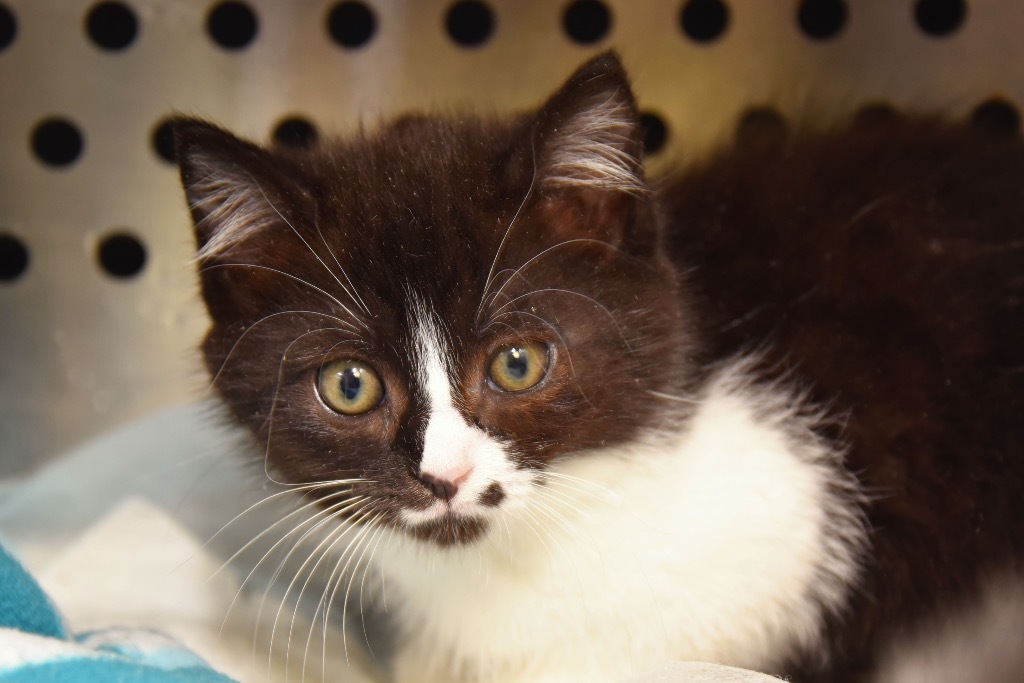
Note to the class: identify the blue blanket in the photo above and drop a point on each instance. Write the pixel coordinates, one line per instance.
(37, 647)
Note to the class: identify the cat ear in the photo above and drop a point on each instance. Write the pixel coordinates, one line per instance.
(589, 132)
(235, 189)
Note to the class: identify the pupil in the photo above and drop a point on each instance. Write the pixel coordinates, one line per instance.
(350, 384)
(516, 363)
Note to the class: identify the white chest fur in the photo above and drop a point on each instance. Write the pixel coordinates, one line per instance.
(727, 542)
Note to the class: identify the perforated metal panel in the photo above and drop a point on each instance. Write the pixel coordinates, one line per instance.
(87, 343)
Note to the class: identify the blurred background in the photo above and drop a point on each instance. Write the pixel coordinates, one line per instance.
(98, 310)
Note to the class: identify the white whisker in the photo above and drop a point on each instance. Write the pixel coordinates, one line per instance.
(330, 541)
(363, 582)
(312, 251)
(283, 274)
(383, 582)
(563, 497)
(323, 607)
(508, 230)
(337, 584)
(265, 318)
(557, 290)
(535, 522)
(270, 528)
(377, 537)
(337, 508)
(603, 490)
(552, 514)
(670, 397)
(351, 289)
(328, 514)
(577, 240)
(269, 421)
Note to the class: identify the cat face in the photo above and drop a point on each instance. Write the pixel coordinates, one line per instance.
(425, 321)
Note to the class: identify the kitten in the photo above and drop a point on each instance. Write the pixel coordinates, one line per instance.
(763, 412)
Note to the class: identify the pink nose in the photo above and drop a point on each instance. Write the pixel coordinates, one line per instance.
(445, 487)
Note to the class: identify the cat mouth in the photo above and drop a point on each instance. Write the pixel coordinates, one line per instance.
(451, 529)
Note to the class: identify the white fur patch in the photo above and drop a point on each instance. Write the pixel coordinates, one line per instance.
(234, 208)
(727, 542)
(590, 150)
(453, 449)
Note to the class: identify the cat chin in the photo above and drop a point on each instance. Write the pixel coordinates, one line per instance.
(458, 522)
(449, 530)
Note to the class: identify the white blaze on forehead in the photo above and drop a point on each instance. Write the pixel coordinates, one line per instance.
(449, 437)
(453, 448)
(449, 440)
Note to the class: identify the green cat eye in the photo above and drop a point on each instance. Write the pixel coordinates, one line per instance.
(517, 367)
(350, 387)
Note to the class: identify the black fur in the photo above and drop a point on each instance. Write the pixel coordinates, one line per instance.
(883, 265)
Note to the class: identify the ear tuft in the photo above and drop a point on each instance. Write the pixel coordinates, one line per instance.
(590, 132)
(220, 174)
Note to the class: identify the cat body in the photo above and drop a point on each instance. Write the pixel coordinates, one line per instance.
(574, 424)
(882, 264)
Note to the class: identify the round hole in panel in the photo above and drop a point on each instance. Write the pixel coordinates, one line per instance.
(470, 23)
(232, 25)
(351, 24)
(8, 27)
(162, 141)
(295, 132)
(875, 114)
(822, 19)
(111, 25)
(586, 21)
(940, 18)
(121, 255)
(996, 118)
(655, 132)
(761, 128)
(704, 20)
(13, 258)
(57, 142)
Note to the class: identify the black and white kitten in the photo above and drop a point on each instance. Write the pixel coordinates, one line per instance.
(768, 412)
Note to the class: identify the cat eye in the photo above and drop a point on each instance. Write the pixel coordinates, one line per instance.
(350, 387)
(518, 367)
